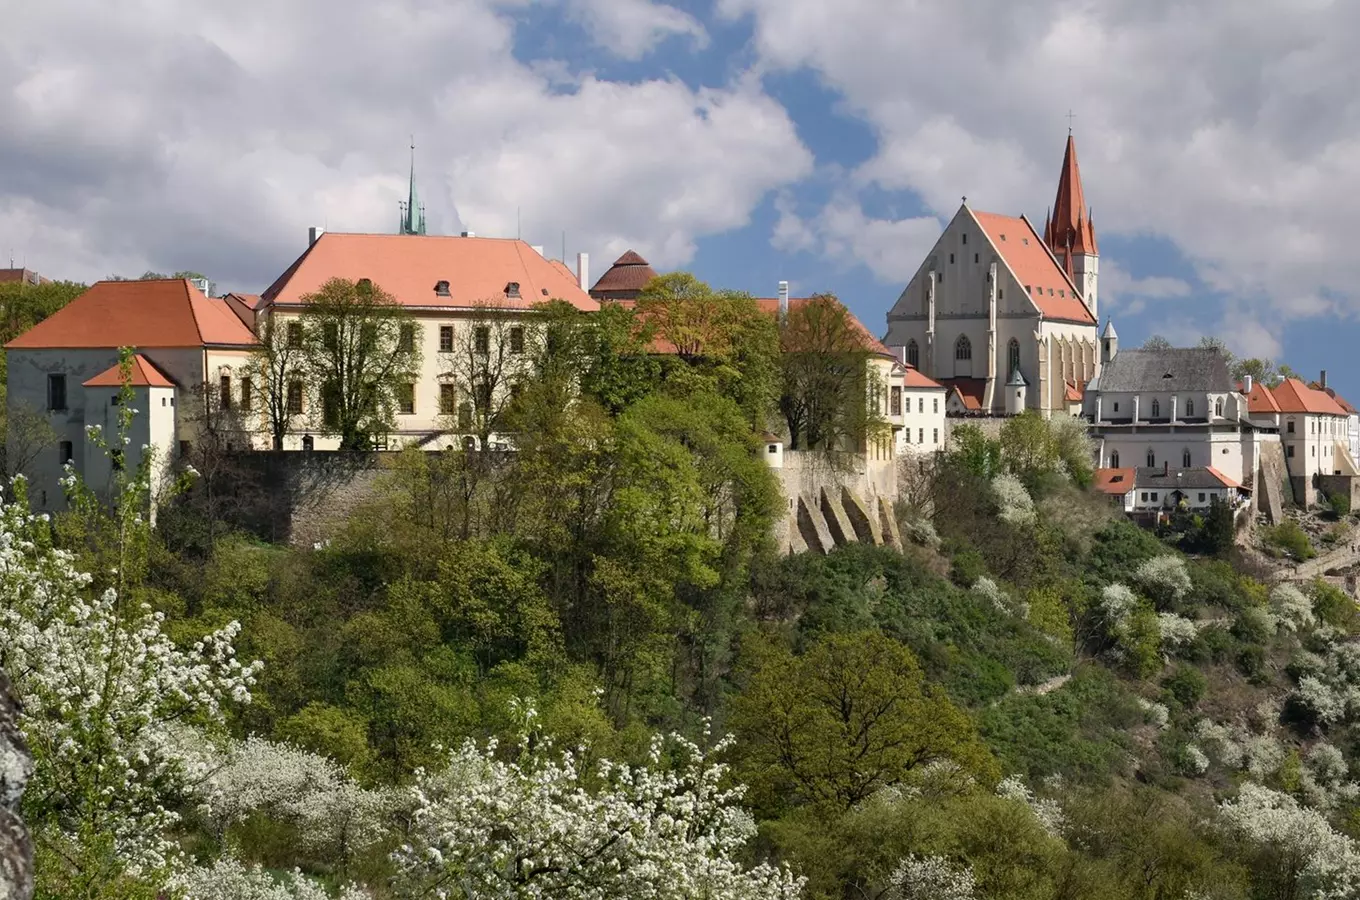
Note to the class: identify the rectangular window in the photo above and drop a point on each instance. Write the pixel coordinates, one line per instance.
(936, 438)
(517, 339)
(406, 399)
(294, 405)
(1154, 496)
(247, 394)
(330, 335)
(1201, 497)
(965, 238)
(1116, 407)
(975, 258)
(183, 448)
(920, 404)
(1289, 451)
(406, 341)
(482, 339)
(224, 391)
(294, 333)
(464, 415)
(482, 395)
(447, 396)
(445, 338)
(895, 401)
(935, 405)
(368, 334)
(56, 392)
(951, 259)
(920, 435)
(66, 450)
(1144, 497)
(907, 432)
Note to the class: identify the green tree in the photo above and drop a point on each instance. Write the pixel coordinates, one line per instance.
(362, 350)
(278, 365)
(851, 716)
(1156, 342)
(826, 379)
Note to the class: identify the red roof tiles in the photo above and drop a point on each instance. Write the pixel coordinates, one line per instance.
(914, 378)
(1070, 230)
(1293, 396)
(1049, 288)
(164, 313)
(1260, 402)
(1115, 482)
(625, 279)
(410, 267)
(970, 391)
(871, 343)
(143, 374)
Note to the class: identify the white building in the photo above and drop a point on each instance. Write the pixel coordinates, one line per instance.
(190, 349)
(1352, 416)
(923, 409)
(1177, 407)
(1314, 429)
(1139, 489)
(994, 297)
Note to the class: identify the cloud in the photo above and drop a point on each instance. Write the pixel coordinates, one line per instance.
(631, 29)
(173, 135)
(1232, 140)
(1125, 294)
(891, 248)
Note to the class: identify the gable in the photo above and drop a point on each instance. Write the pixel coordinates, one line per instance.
(1029, 260)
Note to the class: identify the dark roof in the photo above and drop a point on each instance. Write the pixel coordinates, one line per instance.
(1190, 369)
(28, 276)
(628, 276)
(1196, 478)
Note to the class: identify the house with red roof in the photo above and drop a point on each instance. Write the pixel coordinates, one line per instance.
(996, 296)
(1352, 415)
(1165, 489)
(1315, 431)
(192, 352)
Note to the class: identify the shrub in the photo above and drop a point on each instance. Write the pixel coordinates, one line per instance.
(1186, 686)
(966, 568)
(1340, 504)
(1288, 538)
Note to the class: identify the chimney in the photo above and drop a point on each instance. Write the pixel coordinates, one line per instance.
(1323, 380)
(1166, 467)
(783, 298)
(1246, 385)
(537, 248)
(469, 234)
(583, 270)
(313, 233)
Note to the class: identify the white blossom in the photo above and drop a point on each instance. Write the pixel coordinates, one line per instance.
(228, 879)
(1157, 714)
(932, 878)
(1164, 577)
(1048, 812)
(1292, 608)
(987, 589)
(96, 674)
(1176, 631)
(1324, 864)
(497, 830)
(1196, 763)
(1117, 603)
(1015, 504)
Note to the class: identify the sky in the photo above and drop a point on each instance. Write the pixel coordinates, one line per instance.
(749, 141)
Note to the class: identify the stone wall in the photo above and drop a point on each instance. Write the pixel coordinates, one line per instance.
(1272, 487)
(16, 850)
(835, 501)
(1348, 485)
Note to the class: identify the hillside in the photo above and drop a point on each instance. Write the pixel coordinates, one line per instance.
(468, 693)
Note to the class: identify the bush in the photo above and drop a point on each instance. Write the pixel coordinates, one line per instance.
(966, 568)
(1186, 686)
(1340, 504)
(1288, 538)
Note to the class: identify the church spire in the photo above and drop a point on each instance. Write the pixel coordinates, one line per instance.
(412, 212)
(1069, 232)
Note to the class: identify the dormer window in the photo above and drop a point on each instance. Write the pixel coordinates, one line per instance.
(441, 288)
(512, 289)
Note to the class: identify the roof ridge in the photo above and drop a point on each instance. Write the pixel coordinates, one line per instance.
(193, 313)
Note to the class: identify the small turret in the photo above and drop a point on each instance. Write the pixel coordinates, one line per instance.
(1016, 388)
(1109, 342)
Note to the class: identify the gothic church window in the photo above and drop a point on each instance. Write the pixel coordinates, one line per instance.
(1151, 459)
(963, 349)
(1156, 408)
(1012, 357)
(913, 355)
(1189, 409)
(1218, 407)
(1114, 460)
(1185, 458)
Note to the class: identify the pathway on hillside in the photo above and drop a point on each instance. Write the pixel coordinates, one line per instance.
(1346, 555)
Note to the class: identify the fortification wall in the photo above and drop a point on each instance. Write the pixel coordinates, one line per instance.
(835, 500)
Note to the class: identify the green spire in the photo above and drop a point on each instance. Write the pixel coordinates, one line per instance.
(412, 213)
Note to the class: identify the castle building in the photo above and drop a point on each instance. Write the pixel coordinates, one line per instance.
(996, 297)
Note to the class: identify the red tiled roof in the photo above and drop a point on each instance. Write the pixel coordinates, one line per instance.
(1260, 402)
(1227, 482)
(914, 378)
(1071, 220)
(1331, 392)
(1074, 393)
(409, 266)
(143, 374)
(970, 391)
(1027, 256)
(163, 313)
(1115, 482)
(25, 275)
(1293, 396)
(249, 301)
(629, 275)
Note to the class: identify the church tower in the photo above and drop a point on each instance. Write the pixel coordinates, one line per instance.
(412, 210)
(1070, 233)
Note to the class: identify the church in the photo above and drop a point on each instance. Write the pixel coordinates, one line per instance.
(1004, 315)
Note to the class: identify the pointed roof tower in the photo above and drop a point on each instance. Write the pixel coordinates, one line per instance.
(1069, 231)
(625, 279)
(412, 212)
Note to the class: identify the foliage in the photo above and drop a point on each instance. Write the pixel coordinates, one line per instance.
(1339, 504)
(278, 362)
(1287, 537)
(488, 828)
(360, 348)
(825, 377)
(848, 718)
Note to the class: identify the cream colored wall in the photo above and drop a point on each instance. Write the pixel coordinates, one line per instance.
(924, 418)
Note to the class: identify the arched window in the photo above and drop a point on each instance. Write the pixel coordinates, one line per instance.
(1114, 460)
(1156, 408)
(963, 348)
(913, 355)
(1218, 407)
(1185, 458)
(1189, 408)
(1152, 459)
(1012, 357)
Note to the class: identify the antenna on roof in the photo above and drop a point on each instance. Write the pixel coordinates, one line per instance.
(519, 230)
